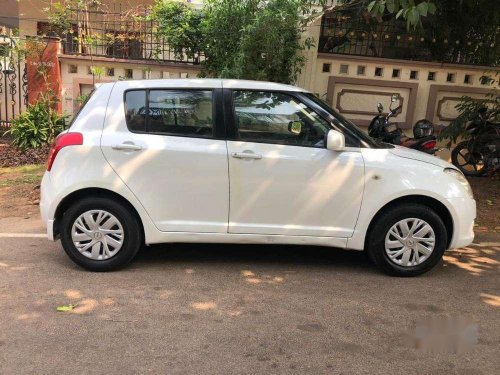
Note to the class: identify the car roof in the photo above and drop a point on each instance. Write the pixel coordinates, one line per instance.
(209, 83)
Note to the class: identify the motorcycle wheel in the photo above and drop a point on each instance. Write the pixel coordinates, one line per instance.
(471, 163)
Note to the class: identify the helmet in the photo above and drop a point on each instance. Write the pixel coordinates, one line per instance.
(423, 128)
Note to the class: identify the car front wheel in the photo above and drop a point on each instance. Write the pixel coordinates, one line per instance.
(407, 240)
(100, 234)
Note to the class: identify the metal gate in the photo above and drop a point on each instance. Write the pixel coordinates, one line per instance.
(13, 81)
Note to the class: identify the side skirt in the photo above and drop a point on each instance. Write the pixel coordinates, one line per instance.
(188, 237)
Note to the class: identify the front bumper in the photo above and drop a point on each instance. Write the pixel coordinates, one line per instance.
(463, 212)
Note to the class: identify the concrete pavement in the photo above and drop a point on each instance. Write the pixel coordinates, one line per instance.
(227, 309)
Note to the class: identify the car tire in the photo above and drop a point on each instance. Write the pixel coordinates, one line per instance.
(400, 255)
(85, 225)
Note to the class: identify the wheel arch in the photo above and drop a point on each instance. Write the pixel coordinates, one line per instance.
(432, 203)
(77, 195)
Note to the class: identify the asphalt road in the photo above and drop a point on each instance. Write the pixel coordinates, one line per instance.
(213, 309)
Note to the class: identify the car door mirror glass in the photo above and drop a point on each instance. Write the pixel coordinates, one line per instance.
(335, 140)
(380, 108)
(295, 127)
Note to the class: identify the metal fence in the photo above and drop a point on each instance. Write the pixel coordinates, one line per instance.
(117, 33)
(13, 81)
(351, 34)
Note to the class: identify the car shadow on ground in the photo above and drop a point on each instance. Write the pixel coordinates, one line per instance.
(205, 254)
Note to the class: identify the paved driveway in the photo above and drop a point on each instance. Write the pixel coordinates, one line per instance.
(213, 309)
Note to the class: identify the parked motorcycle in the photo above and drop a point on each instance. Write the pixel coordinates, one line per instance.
(480, 154)
(380, 128)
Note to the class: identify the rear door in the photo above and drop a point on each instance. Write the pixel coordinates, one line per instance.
(164, 143)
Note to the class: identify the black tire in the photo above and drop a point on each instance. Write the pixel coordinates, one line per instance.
(132, 238)
(375, 243)
(469, 159)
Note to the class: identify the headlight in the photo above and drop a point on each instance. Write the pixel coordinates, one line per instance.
(460, 178)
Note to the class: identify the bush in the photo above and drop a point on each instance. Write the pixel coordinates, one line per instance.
(37, 126)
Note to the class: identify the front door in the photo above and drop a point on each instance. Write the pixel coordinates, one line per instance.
(161, 143)
(282, 178)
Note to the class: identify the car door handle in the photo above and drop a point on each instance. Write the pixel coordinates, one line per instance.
(246, 155)
(127, 147)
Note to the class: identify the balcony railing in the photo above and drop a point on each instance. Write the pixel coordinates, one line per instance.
(350, 34)
(115, 34)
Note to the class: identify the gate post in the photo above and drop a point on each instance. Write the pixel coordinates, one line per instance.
(43, 69)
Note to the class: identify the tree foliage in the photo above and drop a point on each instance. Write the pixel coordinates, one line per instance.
(468, 109)
(179, 23)
(412, 11)
(248, 39)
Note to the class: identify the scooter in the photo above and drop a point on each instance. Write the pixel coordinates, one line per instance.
(389, 132)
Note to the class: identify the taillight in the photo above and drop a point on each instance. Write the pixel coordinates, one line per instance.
(429, 145)
(63, 140)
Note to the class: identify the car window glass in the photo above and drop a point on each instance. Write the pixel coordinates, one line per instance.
(182, 112)
(135, 110)
(274, 117)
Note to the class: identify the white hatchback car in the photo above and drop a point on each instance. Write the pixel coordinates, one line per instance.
(230, 161)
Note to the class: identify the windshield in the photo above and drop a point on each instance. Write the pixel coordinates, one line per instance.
(344, 123)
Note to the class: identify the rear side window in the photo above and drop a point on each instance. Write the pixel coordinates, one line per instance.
(135, 110)
(170, 112)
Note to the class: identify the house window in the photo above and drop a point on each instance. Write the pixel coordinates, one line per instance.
(486, 80)
(110, 72)
(414, 74)
(327, 68)
(129, 73)
(379, 72)
(450, 77)
(72, 68)
(396, 73)
(431, 76)
(90, 71)
(467, 79)
(361, 70)
(344, 69)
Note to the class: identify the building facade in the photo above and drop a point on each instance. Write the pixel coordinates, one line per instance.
(352, 67)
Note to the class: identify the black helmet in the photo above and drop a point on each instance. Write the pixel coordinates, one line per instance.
(423, 128)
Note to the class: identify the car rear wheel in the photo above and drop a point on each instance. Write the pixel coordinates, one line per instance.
(100, 234)
(407, 240)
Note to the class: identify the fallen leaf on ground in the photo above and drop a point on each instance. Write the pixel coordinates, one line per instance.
(65, 308)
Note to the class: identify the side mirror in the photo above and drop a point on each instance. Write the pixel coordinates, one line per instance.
(295, 127)
(335, 140)
(380, 108)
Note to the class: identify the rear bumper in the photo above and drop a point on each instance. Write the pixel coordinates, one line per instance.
(463, 212)
(46, 200)
(50, 230)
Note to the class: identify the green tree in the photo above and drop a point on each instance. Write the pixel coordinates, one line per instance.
(262, 39)
(468, 109)
(252, 39)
